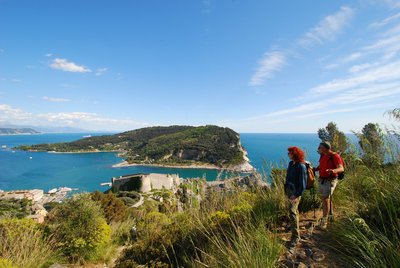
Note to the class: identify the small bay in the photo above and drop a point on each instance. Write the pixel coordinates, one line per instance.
(85, 171)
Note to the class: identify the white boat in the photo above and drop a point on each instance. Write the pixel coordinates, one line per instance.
(4, 146)
(52, 191)
(64, 189)
(30, 158)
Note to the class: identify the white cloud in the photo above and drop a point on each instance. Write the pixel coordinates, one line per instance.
(9, 113)
(48, 55)
(16, 80)
(101, 71)
(344, 102)
(384, 22)
(388, 46)
(1, 50)
(360, 67)
(55, 99)
(84, 120)
(295, 110)
(270, 63)
(341, 110)
(391, 3)
(68, 66)
(346, 59)
(367, 85)
(383, 73)
(328, 28)
(352, 57)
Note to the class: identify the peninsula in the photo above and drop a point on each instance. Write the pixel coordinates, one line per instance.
(17, 131)
(173, 146)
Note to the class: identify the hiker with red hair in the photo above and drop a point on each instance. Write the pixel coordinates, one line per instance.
(296, 181)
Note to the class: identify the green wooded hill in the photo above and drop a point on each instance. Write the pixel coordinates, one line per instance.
(162, 145)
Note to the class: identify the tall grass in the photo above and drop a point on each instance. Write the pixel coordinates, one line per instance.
(23, 244)
(243, 246)
(369, 233)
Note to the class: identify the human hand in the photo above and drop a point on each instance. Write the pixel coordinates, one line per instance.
(329, 171)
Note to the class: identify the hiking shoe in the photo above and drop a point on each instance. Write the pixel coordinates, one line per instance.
(323, 225)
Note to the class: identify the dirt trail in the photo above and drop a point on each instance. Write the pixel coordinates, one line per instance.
(312, 251)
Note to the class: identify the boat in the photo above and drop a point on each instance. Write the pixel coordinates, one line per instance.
(64, 189)
(30, 157)
(4, 146)
(52, 191)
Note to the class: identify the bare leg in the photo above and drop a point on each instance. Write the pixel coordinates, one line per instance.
(326, 206)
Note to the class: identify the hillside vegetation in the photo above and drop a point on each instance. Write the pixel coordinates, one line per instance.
(235, 227)
(162, 145)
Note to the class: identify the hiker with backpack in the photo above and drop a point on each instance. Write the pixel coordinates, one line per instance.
(296, 182)
(331, 168)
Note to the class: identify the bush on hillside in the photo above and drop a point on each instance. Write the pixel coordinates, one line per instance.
(113, 208)
(79, 227)
(14, 208)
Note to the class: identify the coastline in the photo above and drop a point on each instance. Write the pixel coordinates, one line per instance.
(19, 134)
(238, 168)
(78, 152)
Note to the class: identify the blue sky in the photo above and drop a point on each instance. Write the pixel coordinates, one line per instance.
(254, 66)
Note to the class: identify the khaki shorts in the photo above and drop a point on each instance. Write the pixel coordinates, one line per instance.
(326, 187)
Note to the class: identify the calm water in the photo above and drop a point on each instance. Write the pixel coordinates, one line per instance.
(28, 170)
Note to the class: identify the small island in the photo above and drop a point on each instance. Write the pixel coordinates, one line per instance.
(173, 146)
(17, 131)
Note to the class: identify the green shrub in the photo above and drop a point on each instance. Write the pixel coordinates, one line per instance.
(114, 209)
(219, 218)
(14, 208)
(79, 228)
(50, 206)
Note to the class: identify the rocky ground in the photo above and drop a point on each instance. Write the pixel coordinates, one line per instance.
(313, 251)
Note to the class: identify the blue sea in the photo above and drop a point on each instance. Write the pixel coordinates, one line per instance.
(28, 170)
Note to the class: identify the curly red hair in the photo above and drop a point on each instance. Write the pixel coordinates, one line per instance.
(297, 154)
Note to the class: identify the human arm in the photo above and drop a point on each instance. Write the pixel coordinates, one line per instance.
(339, 169)
(338, 165)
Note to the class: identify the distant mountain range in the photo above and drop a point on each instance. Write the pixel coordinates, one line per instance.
(44, 129)
(15, 131)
